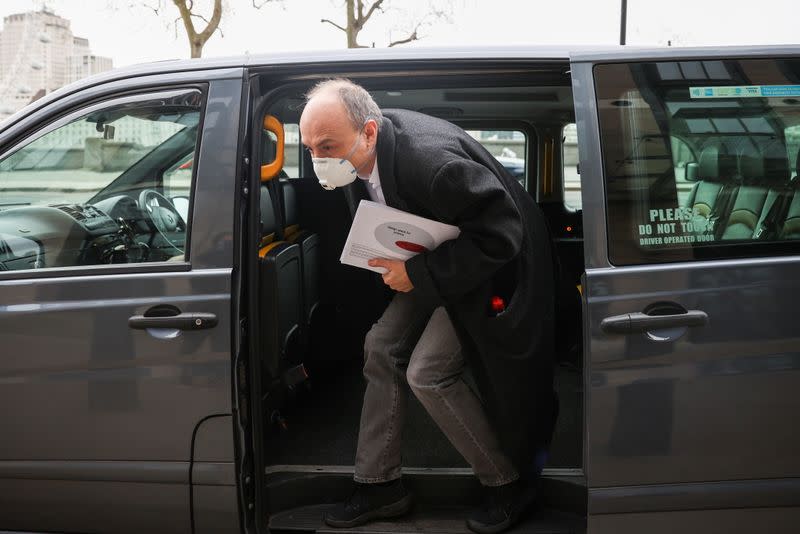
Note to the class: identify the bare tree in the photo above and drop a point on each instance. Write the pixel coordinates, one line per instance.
(359, 12)
(190, 12)
(197, 39)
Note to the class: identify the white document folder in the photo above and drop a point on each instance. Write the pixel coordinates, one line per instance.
(379, 231)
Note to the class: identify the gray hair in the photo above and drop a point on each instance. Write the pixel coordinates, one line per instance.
(357, 101)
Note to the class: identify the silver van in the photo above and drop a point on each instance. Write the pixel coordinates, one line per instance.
(180, 348)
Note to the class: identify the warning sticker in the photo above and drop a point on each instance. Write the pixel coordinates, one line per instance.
(745, 91)
(675, 226)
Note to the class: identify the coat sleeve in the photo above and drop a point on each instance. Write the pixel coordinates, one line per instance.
(467, 194)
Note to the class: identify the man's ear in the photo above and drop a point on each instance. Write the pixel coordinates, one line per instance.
(371, 129)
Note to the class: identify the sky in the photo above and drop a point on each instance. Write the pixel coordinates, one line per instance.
(128, 33)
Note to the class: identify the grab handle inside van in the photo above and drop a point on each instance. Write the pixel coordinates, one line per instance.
(271, 170)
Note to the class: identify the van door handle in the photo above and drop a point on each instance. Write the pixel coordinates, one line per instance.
(630, 323)
(181, 321)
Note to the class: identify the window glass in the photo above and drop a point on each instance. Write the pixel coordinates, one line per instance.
(700, 158)
(572, 180)
(291, 162)
(291, 149)
(509, 147)
(109, 184)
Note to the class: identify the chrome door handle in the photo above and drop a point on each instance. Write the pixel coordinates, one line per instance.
(181, 321)
(630, 323)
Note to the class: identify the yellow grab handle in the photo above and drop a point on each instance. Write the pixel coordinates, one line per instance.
(271, 170)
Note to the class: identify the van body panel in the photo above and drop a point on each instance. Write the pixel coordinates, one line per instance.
(93, 506)
(722, 521)
(104, 415)
(701, 420)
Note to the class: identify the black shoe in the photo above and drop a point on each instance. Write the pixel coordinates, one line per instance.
(369, 502)
(502, 508)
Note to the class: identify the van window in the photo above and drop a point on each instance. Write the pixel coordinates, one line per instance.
(102, 185)
(700, 163)
(291, 151)
(509, 147)
(572, 180)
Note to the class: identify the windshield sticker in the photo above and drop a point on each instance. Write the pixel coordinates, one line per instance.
(745, 91)
(675, 226)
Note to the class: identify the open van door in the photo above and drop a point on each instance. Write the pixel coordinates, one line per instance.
(688, 165)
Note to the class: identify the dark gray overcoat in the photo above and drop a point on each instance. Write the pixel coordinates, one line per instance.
(432, 168)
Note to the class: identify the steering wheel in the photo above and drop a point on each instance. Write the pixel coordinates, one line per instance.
(163, 215)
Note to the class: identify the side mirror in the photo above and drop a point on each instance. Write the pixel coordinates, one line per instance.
(691, 171)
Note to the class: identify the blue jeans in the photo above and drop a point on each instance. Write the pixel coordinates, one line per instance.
(420, 348)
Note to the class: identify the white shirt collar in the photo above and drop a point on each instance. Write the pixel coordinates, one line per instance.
(374, 188)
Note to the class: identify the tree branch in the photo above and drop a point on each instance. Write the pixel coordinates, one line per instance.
(372, 8)
(148, 6)
(359, 10)
(214, 23)
(334, 24)
(186, 16)
(201, 17)
(412, 37)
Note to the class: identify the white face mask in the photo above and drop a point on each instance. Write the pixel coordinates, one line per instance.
(336, 172)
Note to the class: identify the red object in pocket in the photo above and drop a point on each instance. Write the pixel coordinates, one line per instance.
(498, 305)
(411, 247)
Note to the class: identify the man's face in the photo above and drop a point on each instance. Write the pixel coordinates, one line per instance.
(327, 132)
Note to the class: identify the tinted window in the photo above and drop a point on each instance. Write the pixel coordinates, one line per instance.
(509, 147)
(572, 179)
(108, 184)
(700, 158)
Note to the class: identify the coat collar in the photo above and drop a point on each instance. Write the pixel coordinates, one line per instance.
(386, 159)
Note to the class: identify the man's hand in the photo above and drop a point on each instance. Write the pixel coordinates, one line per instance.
(396, 276)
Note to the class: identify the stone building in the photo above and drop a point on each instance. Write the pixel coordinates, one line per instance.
(39, 54)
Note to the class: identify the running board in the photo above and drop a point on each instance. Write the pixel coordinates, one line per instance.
(293, 490)
(427, 519)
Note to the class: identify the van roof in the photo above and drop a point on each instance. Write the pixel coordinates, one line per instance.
(520, 52)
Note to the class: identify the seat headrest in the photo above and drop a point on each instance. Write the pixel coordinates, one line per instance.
(268, 221)
(776, 164)
(716, 165)
(751, 165)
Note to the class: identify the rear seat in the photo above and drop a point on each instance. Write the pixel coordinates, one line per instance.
(760, 198)
(742, 220)
(789, 225)
(310, 251)
(280, 295)
(716, 183)
(790, 229)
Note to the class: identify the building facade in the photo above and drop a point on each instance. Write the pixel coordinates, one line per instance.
(39, 54)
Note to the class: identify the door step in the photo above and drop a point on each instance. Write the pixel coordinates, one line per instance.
(423, 519)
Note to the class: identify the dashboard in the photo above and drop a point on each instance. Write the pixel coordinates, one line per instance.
(114, 230)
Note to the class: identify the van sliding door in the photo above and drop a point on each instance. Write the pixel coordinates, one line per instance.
(691, 212)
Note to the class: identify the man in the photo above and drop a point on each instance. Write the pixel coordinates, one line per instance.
(485, 297)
